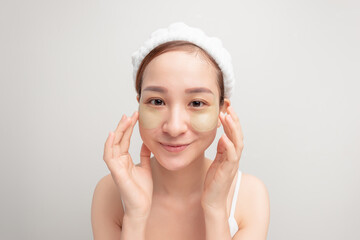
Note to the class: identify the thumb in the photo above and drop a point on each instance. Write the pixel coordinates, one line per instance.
(221, 150)
(221, 147)
(145, 156)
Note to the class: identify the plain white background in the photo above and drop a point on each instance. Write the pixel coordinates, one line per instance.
(66, 79)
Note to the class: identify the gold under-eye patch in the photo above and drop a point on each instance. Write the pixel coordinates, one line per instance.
(206, 119)
(201, 120)
(149, 117)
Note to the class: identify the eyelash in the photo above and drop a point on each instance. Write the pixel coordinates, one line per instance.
(197, 101)
(152, 102)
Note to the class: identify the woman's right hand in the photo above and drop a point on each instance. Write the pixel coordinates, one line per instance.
(134, 182)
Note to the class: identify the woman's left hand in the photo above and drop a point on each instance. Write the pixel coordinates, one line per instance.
(223, 169)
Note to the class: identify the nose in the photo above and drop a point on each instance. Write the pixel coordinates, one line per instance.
(176, 122)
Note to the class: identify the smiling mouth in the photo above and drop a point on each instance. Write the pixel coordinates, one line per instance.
(174, 148)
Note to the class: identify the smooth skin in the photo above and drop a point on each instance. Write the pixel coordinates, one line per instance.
(202, 121)
(177, 195)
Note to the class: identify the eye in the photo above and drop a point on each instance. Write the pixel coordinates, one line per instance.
(197, 104)
(157, 102)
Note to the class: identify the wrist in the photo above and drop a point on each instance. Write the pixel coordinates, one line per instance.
(216, 224)
(137, 221)
(218, 213)
(133, 228)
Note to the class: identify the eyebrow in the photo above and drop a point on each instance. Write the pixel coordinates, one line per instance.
(188, 91)
(199, 90)
(156, 89)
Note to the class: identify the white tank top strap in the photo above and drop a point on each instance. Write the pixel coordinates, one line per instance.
(236, 193)
(123, 204)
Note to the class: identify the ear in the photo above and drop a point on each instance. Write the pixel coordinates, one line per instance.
(226, 104)
(223, 108)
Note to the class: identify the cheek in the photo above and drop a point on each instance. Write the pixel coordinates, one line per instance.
(149, 118)
(206, 120)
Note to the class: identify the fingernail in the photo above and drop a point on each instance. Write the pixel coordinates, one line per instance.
(229, 118)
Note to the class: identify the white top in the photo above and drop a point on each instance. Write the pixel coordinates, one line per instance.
(232, 222)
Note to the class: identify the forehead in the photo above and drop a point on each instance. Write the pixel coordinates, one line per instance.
(180, 69)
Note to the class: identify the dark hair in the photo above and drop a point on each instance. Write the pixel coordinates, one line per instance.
(173, 46)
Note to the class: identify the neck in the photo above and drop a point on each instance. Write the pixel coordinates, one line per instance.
(181, 184)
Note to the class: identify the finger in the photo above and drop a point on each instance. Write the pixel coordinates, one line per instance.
(108, 147)
(211, 171)
(121, 128)
(221, 153)
(231, 162)
(221, 148)
(222, 117)
(229, 149)
(145, 154)
(235, 134)
(234, 130)
(226, 156)
(125, 141)
(119, 134)
(225, 125)
(233, 115)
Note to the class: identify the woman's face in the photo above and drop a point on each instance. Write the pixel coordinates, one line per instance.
(178, 108)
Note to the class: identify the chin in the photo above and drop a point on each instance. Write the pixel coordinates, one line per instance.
(172, 161)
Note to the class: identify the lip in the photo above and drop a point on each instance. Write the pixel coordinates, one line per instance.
(174, 147)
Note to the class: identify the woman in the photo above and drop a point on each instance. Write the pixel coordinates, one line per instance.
(183, 80)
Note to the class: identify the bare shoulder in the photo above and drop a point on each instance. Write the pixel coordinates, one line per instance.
(106, 206)
(253, 186)
(253, 205)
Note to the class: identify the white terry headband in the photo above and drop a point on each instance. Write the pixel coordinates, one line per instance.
(181, 32)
